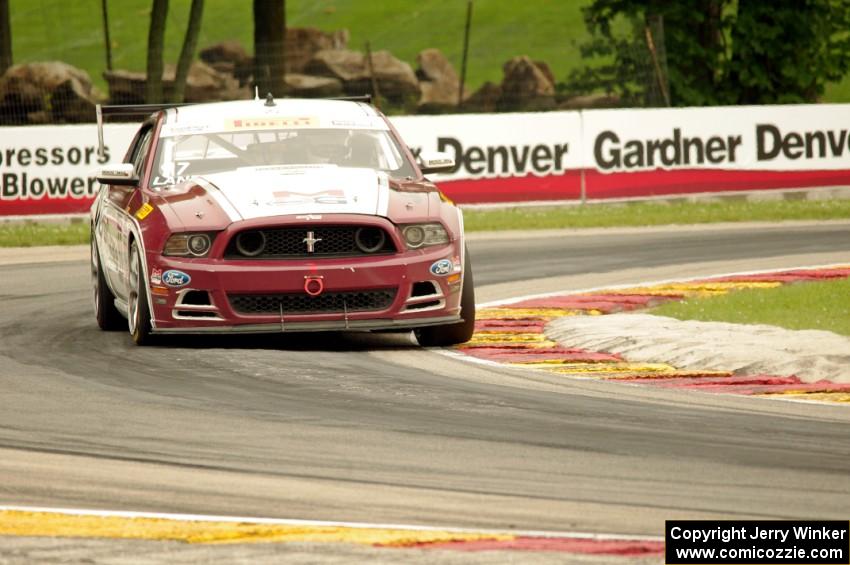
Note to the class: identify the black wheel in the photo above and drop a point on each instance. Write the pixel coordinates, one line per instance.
(107, 315)
(452, 334)
(138, 312)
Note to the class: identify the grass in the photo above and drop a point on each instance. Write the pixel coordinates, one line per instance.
(817, 305)
(32, 234)
(589, 216)
(654, 214)
(547, 30)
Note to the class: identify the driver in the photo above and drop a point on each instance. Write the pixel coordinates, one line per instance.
(324, 146)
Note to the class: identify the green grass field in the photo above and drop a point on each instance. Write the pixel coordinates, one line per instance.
(547, 30)
(653, 214)
(589, 216)
(819, 305)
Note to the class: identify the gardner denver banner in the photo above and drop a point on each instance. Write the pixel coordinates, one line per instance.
(630, 153)
(517, 157)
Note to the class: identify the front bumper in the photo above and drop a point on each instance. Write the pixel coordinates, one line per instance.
(221, 279)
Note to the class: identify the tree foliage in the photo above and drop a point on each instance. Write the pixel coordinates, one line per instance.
(716, 51)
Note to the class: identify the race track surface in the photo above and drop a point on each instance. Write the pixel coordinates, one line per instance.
(375, 429)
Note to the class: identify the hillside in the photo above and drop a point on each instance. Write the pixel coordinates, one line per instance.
(548, 30)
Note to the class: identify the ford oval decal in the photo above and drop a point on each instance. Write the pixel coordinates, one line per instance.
(175, 278)
(441, 268)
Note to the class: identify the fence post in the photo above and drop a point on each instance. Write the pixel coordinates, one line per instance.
(465, 53)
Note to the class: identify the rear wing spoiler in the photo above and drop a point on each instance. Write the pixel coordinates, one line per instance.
(144, 110)
(125, 111)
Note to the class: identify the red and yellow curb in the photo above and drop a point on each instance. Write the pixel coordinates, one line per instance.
(515, 334)
(209, 530)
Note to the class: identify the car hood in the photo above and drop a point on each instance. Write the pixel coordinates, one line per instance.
(273, 191)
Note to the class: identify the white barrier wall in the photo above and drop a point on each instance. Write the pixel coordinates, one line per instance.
(518, 157)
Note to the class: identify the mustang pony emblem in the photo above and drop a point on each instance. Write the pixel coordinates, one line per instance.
(311, 241)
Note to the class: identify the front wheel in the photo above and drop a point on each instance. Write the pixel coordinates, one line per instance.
(453, 334)
(138, 311)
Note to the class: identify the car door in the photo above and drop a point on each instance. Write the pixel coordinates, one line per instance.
(116, 220)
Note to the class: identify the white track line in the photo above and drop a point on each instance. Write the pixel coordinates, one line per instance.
(292, 522)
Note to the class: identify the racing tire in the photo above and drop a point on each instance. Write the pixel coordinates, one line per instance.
(461, 332)
(108, 317)
(138, 311)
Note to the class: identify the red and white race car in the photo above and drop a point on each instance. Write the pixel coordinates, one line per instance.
(276, 216)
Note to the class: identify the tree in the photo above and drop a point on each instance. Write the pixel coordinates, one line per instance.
(720, 51)
(269, 46)
(5, 37)
(156, 39)
(187, 53)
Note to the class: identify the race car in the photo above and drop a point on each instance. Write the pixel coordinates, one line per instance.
(276, 215)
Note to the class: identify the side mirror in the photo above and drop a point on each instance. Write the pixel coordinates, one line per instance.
(436, 162)
(123, 174)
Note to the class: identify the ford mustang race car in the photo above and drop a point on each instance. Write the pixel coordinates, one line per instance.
(276, 216)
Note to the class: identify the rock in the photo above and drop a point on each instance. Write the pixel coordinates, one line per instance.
(340, 64)
(526, 87)
(438, 81)
(485, 99)
(307, 86)
(203, 84)
(32, 90)
(302, 43)
(230, 51)
(396, 79)
(591, 101)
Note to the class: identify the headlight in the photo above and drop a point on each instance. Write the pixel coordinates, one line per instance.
(420, 235)
(188, 245)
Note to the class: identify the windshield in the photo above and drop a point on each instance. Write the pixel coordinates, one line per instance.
(181, 157)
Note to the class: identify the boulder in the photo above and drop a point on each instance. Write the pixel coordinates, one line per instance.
(485, 99)
(54, 89)
(302, 43)
(307, 86)
(203, 84)
(340, 64)
(438, 81)
(230, 51)
(396, 79)
(526, 86)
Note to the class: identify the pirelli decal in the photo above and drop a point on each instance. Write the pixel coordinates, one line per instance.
(270, 122)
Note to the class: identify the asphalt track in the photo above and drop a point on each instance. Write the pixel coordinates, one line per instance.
(375, 429)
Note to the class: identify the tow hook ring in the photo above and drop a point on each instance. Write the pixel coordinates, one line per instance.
(314, 286)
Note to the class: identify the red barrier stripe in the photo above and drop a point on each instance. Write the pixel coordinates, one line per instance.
(566, 545)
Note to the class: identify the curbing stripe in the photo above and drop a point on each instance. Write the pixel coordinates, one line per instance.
(504, 335)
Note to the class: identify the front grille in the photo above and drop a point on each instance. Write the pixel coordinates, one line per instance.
(302, 303)
(327, 241)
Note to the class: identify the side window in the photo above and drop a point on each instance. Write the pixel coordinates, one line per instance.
(141, 152)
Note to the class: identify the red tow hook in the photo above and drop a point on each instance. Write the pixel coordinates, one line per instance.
(314, 285)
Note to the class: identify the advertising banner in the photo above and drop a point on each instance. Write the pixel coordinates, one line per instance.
(47, 169)
(502, 157)
(635, 152)
(518, 157)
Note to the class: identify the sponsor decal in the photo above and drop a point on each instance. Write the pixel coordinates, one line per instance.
(456, 267)
(269, 122)
(143, 212)
(160, 290)
(323, 197)
(441, 268)
(156, 276)
(175, 278)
